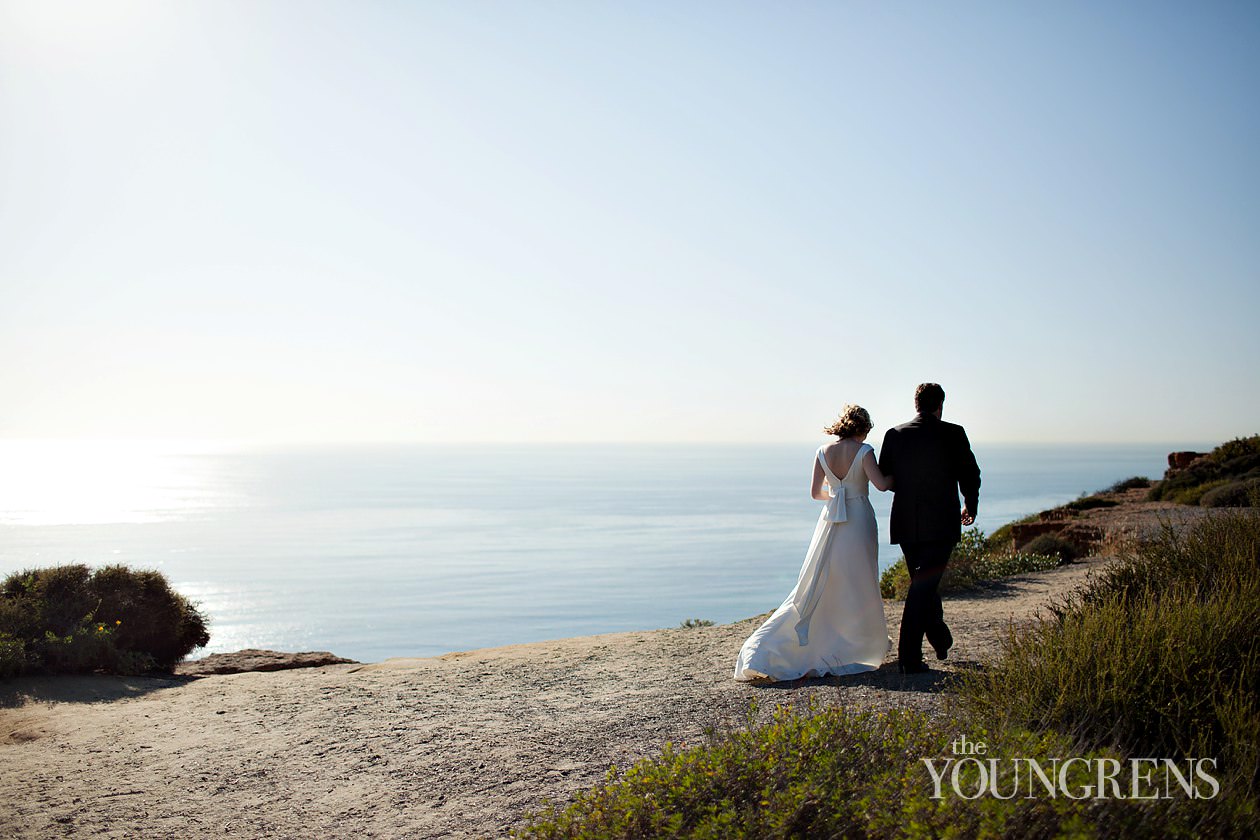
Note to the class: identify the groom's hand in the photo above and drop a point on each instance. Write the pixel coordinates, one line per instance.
(967, 517)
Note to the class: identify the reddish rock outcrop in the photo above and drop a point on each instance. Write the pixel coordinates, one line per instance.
(1088, 538)
(258, 660)
(1181, 460)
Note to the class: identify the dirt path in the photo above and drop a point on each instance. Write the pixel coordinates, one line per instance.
(458, 745)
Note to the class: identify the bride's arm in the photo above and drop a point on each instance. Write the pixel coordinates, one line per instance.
(815, 488)
(873, 472)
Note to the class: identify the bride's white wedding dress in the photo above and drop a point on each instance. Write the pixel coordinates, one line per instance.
(833, 621)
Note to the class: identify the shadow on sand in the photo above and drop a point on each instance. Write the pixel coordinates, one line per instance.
(81, 688)
(887, 678)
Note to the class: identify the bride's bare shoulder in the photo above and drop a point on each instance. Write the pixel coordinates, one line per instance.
(834, 450)
(840, 454)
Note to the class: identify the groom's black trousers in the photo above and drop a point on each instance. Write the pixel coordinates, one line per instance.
(923, 614)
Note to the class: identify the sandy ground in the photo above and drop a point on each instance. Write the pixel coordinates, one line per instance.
(453, 746)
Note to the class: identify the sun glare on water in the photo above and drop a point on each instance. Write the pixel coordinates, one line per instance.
(101, 482)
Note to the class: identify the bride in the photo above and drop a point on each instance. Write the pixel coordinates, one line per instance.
(833, 621)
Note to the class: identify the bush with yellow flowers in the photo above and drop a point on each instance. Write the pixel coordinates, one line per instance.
(72, 619)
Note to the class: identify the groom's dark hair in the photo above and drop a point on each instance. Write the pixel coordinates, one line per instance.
(928, 397)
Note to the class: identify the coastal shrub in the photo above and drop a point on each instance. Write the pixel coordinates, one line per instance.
(1194, 495)
(1221, 553)
(812, 774)
(968, 552)
(1055, 545)
(972, 562)
(157, 620)
(12, 655)
(1157, 656)
(1233, 494)
(833, 772)
(1134, 483)
(1238, 451)
(894, 582)
(1180, 483)
(1151, 676)
(1090, 503)
(1231, 461)
(991, 567)
(692, 623)
(71, 619)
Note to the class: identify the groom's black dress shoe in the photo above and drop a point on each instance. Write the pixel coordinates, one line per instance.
(913, 667)
(942, 643)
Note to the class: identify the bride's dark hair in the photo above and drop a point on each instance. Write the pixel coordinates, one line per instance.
(853, 421)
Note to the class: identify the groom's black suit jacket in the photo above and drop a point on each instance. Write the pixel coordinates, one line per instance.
(931, 461)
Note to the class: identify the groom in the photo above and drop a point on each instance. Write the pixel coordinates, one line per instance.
(931, 461)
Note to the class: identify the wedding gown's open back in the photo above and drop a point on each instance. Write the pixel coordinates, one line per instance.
(833, 621)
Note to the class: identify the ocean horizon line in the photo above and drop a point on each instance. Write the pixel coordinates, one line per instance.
(246, 443)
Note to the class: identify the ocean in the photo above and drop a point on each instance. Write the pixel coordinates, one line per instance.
(374, 551)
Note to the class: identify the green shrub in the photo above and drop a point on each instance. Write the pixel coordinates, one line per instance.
(71, 619)
(159, 621)
(12, 655)
(1221, 552)
(1233, 460)
(1194, 494)
(972, 562)
(1242, 465)
(1236, 450)
(1054, 545)
(1185, 481)
(1151, 676)
(1133, 483)
(827, 772)
(969, 549)
(1233, 494)
(1158, 655)
(832, 772)
(894, 583)
(991, 567)
(692, 623)
(1089, 503)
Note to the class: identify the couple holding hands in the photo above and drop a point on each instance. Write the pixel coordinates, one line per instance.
(833, 620)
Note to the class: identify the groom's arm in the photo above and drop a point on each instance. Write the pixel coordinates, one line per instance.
(968, 473)
(888, 454)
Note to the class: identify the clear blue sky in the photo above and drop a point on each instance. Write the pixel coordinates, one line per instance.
(549, 221)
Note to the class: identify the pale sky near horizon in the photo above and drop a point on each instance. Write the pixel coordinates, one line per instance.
(656, 221)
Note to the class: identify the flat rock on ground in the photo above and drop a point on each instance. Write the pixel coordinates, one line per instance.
(252, 659)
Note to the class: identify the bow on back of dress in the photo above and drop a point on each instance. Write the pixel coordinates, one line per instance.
(835, 511)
